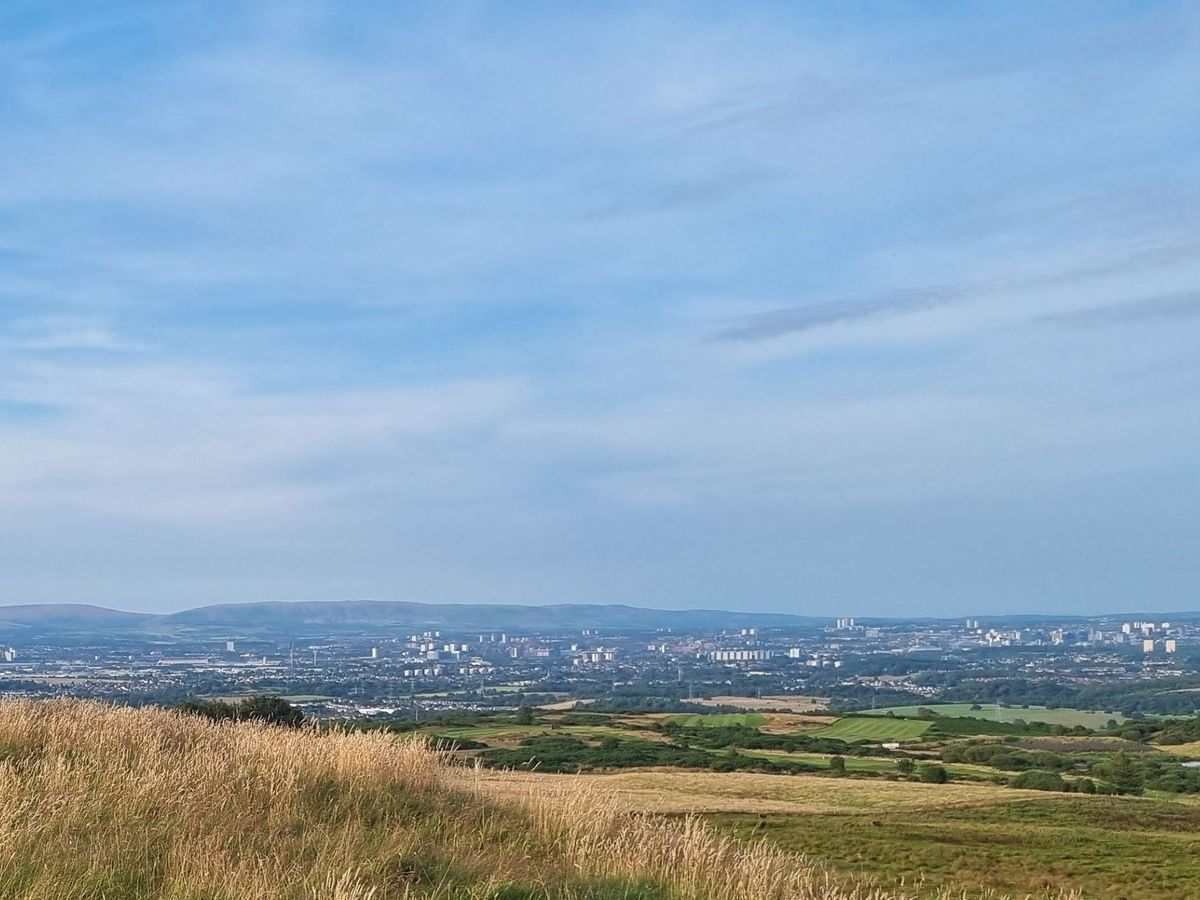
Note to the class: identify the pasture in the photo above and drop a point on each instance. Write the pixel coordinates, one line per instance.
(1067, 717)
(718, 720)
(778, 703)
(874, 729)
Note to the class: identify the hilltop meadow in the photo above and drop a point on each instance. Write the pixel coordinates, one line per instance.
(114, 803)
(106, 803)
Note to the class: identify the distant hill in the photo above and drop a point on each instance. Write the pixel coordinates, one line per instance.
(366, 613)
(357, 615)
(67, 616)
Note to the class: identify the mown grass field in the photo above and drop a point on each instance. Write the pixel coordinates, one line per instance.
(1067, 717)
(869, 729)
(717, 720)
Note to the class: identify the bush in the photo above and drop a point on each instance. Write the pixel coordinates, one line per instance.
(933, 774)
(837, 765)
(1038, 780)
(272, 710)
(262, 708)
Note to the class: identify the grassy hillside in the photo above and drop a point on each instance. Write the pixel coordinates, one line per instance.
(951, 837)
(104, 803)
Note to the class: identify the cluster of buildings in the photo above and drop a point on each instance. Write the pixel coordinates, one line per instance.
(352, 674)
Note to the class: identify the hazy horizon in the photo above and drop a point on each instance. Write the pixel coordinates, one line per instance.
(863, 310)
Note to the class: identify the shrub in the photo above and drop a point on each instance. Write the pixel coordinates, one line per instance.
(1038, 780)
(933, 774)
(272, 710)
(261, 708)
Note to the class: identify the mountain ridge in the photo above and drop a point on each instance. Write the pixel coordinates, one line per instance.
(359, 614)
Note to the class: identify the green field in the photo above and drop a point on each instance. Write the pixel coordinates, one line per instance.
(974, 840)
(885, 729)
(718, 720)
(507, 731)
(1067, 717)
(876, 765)
(1108, 847)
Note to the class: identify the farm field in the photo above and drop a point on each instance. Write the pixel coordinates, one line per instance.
(877, 765)
(767, 704)
(509, 733)
(957, 835)
(1067, 717)
(1190, 750)
(792, 723)
(718, 720)
(865, 729)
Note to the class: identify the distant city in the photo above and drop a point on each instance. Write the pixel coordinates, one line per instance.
(365, 670)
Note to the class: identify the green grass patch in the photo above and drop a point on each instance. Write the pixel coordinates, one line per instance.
(718, 720)
(1068, 717)
(855, 728)
(1107, 847)
(508, 732)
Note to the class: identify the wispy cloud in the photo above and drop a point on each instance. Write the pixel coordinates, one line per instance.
(64, 334)
(791, 320)
(1162, 308)
(1122, 262)
(159, 442)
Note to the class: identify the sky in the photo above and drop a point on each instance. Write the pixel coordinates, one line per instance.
(856, 309)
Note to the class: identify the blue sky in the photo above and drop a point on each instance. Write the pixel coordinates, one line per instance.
(826, 308)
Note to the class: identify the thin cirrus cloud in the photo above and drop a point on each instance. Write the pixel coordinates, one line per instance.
(1154, 309)
(885, 304)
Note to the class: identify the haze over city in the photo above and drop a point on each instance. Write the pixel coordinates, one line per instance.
(858, 310)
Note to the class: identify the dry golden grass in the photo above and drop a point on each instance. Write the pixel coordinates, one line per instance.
(671, 791)
(789, 723)
(103, 803)
(1191, 749)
